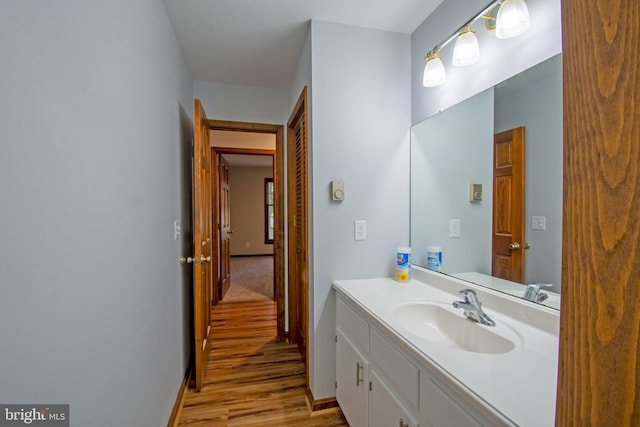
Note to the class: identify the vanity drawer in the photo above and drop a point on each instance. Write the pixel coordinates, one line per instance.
(353, 325)
(398, 371)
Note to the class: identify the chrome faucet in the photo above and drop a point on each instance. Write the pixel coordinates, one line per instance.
(473, 307)
(532, 292)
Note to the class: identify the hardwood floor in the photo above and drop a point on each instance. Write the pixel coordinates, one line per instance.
(252, 379)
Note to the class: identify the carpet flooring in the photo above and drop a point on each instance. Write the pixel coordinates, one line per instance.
(251, 279)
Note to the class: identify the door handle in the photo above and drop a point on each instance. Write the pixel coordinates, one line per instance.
(358, 379)
(514, 246)
(196, 260)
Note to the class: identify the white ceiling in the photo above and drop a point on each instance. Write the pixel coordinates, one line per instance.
(257, 42)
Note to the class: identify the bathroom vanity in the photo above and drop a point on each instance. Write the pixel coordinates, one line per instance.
(406, 357)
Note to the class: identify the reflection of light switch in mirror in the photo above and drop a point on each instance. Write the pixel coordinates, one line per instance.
(337, 190)
(539, 223)
(475, 192)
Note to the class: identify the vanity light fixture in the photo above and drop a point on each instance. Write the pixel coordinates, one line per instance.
(434, 74)
(511, 19)
(466, 51)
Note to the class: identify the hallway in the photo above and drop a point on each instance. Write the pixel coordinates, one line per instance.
(251, 279)
(252, 379)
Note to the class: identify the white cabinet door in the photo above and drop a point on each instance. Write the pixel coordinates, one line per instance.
(384, 408)
(352, 377)
(443, 408)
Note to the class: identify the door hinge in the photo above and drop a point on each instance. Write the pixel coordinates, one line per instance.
(336, 338)
(336, 384)
(370, 386)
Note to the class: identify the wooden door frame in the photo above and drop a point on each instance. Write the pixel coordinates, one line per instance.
(301, 108)
(215, 151)
(278, 182)
(598, 369)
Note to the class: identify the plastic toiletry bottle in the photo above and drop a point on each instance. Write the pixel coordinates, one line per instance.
(434, 258)
(403, 268)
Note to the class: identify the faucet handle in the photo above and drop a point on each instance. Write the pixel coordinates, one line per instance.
(467, 292)
(537, 286)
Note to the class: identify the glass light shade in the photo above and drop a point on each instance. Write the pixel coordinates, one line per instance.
(512, 19)
(466, 51)
(434, 74)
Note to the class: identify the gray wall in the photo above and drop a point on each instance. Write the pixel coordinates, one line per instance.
(92, 299)
(360, 104)
(248, 210)
(448, 152)
(242, 103)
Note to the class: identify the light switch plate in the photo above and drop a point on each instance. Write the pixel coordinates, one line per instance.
(539, 223)
(360, 230)
(454, 227)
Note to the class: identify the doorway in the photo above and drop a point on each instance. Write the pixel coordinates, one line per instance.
(240, 129)
(247, 213)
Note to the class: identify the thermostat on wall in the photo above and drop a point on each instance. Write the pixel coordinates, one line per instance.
(475, 192)
(337, 190)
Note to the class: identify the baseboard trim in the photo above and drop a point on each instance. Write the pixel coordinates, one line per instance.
(320, 404)
(182, 392)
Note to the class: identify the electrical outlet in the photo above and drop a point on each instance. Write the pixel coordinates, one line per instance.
(360, 230)
(177, 229)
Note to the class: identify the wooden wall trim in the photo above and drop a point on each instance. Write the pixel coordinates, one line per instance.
(227, 125)
(298, 242)
(320, 404)
(251, 151)
(599, 367)
(182, 392)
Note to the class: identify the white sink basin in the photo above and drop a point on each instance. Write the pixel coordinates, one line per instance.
(440, 323)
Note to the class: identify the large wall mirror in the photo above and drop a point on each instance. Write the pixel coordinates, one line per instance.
(454, 149)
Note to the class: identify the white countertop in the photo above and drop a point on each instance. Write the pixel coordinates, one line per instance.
(520, 384)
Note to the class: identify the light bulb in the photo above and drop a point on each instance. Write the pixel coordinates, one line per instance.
(466, 51)
(434, 74)
(512, 19)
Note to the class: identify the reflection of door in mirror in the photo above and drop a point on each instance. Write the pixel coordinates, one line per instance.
(507, 257)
